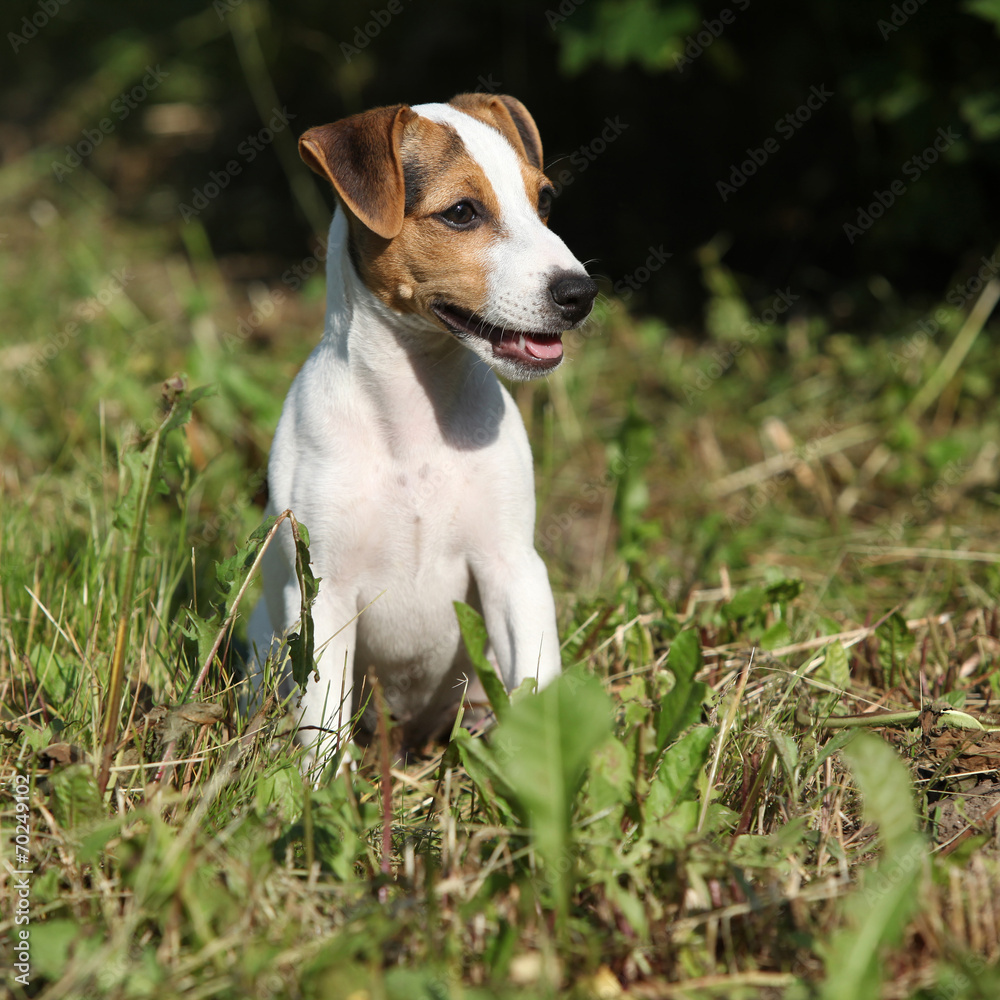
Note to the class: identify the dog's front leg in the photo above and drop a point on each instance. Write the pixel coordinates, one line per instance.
(325, 712)
(520, 616)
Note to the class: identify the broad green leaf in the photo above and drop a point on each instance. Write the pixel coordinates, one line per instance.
(474, 636)
(181, 402)
(681, 707)
(75, 798)
(200, 630)
(887, 790)
(959, 720)
(788, 753)
(96, 840)
(745, 604)
(51, 941)
(836, 668)
(876, 913)
(611, 778)
(481, 766)
(58, 675)
(895, 641)
(635, 700)
(231, 572)
(542, 748)
(783, 591)
(261, 531)
(776, 635)
(681, 764)
(280, 789)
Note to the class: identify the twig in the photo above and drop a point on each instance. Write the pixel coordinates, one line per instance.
(265, 98)
(727, 724)
(117, 676)
(171, 747)
(385, 783)
(68, 636)
(777, 464)
(231, 617)
(960, 555)
(980, 824)
(955, 355)
(725, 985)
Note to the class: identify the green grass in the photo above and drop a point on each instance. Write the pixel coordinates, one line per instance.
(744, 544)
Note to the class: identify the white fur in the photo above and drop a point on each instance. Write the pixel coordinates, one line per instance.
(408, 462)
(519, 264)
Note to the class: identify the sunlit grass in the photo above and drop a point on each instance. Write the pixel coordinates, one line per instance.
(818, 551)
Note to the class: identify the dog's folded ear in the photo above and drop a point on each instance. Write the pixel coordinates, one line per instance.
(508, 115)
(360, 157)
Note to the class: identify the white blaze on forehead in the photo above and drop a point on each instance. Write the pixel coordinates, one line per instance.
(494, 154)
(528, 250)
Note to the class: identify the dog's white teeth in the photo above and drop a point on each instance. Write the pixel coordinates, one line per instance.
(520, 343)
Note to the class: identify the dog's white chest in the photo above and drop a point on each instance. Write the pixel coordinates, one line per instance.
(397, 447)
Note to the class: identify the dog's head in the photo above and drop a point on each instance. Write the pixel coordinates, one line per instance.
(448, 210)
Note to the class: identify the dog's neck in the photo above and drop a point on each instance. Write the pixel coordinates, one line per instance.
(403, 362)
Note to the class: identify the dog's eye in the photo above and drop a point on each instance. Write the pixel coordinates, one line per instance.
(545, 202)
(462, 214)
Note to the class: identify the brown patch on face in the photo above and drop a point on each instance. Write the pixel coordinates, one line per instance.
(430, 260)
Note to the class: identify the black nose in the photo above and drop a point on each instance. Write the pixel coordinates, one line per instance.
(574, 294)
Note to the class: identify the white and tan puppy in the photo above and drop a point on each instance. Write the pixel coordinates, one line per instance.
(397, 446)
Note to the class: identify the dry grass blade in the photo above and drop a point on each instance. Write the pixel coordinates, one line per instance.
(956, 354)
(785, 461)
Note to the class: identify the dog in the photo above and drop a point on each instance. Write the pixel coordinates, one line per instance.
(398, 447)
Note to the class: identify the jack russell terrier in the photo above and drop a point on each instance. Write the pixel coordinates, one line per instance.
(398, 447)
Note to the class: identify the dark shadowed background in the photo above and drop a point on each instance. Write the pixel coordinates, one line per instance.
(761, 129)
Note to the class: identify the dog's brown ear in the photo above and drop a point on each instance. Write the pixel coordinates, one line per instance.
(359, 156)
(508, 115)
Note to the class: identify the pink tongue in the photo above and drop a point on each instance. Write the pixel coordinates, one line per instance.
(546, 349)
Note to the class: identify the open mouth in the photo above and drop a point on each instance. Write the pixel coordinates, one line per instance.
(541, 350)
